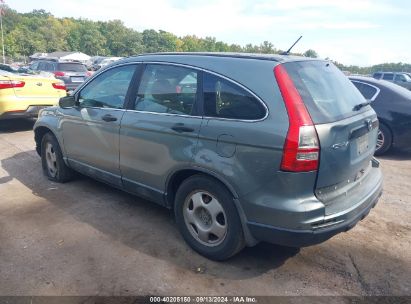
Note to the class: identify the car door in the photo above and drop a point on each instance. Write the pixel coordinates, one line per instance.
(159, 132)
(91, 129)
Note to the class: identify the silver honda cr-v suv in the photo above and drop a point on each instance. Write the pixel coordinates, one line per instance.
(244, 148)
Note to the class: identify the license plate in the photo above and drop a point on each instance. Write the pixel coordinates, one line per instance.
(77, 79)
(362, 144)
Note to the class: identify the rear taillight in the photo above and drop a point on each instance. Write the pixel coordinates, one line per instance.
(89, 73)
(59, 85)
(8, 84)
(301, 148)
(59, 73)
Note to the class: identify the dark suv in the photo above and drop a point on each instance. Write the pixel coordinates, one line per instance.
(401, 78)
(244, 148)
(72, 73)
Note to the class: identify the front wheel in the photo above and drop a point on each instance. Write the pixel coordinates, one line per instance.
(208, 219)
(52, 160)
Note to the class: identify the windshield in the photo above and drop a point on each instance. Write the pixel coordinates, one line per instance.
(327, 93)
(72, 67)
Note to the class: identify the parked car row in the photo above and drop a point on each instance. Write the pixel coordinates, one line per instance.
(71, 73)
(99, 62)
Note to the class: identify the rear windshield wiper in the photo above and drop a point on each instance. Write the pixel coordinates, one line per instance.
(361, 105)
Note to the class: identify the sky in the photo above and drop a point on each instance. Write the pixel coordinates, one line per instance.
(357, 32)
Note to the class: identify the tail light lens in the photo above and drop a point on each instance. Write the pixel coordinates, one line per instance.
(301, 149)
(59, 86)
(59, 73)
(8, 84)
(89, 73)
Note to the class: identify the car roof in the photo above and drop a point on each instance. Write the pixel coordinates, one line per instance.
(383, 84)
(270, 57)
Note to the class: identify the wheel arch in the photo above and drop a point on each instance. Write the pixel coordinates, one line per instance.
(179, 176)
(39, 133)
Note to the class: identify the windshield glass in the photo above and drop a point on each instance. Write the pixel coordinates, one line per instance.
(327, 93)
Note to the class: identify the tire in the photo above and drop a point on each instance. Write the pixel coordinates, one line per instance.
(52, 161)
(204, 206)
(384, 140)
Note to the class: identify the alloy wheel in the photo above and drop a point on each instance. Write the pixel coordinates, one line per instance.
(380, 140)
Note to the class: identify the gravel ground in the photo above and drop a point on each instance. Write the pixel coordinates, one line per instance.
(85, 238)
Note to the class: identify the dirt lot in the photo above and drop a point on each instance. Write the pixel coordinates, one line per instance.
(85, 238)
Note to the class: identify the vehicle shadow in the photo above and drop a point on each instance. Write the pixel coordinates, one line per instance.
(16, 125)
(397, 154)
(139, 224)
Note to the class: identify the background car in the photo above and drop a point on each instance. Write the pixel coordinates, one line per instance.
(107, 61)
(393, 107)
(8, 68)
(72, 73)
(94, 61)
(24, 96)
(401, 78)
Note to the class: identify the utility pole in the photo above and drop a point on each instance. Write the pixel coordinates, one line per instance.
(1, 26)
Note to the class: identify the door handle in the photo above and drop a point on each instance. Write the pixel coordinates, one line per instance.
(109, 117)
(180, 128)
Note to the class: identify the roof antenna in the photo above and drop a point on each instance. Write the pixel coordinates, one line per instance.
(289, 50)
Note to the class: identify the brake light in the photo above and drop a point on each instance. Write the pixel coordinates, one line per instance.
(301, 148)
(59, 85)
(89, 73)
(59, 73)
(8, 84)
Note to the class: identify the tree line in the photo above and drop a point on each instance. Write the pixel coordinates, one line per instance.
(39, 31)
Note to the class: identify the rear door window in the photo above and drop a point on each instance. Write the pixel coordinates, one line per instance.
(167, 89)
(327, 93)
(225, 99)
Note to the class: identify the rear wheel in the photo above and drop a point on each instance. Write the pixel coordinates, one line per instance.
(384, 140)
(207, 218)
(52, 160)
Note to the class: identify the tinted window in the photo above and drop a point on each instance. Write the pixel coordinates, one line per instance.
(42, 66)
(366, 90)
(325, 90)
(377, 75)
(108, 90)
(402, 77)
(72, 67)
(49, 66)
(34, 66)
(388, 76)
(224, 99)
(167, 89)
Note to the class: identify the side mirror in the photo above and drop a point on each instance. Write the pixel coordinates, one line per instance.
(67, 102)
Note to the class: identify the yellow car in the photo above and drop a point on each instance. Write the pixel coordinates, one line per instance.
(24, 96)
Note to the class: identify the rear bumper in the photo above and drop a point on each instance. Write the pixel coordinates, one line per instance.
(30, 112)
(329, 226)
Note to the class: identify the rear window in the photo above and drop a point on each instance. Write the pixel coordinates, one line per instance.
(366, 90)
(327, 93)
(72, 67)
